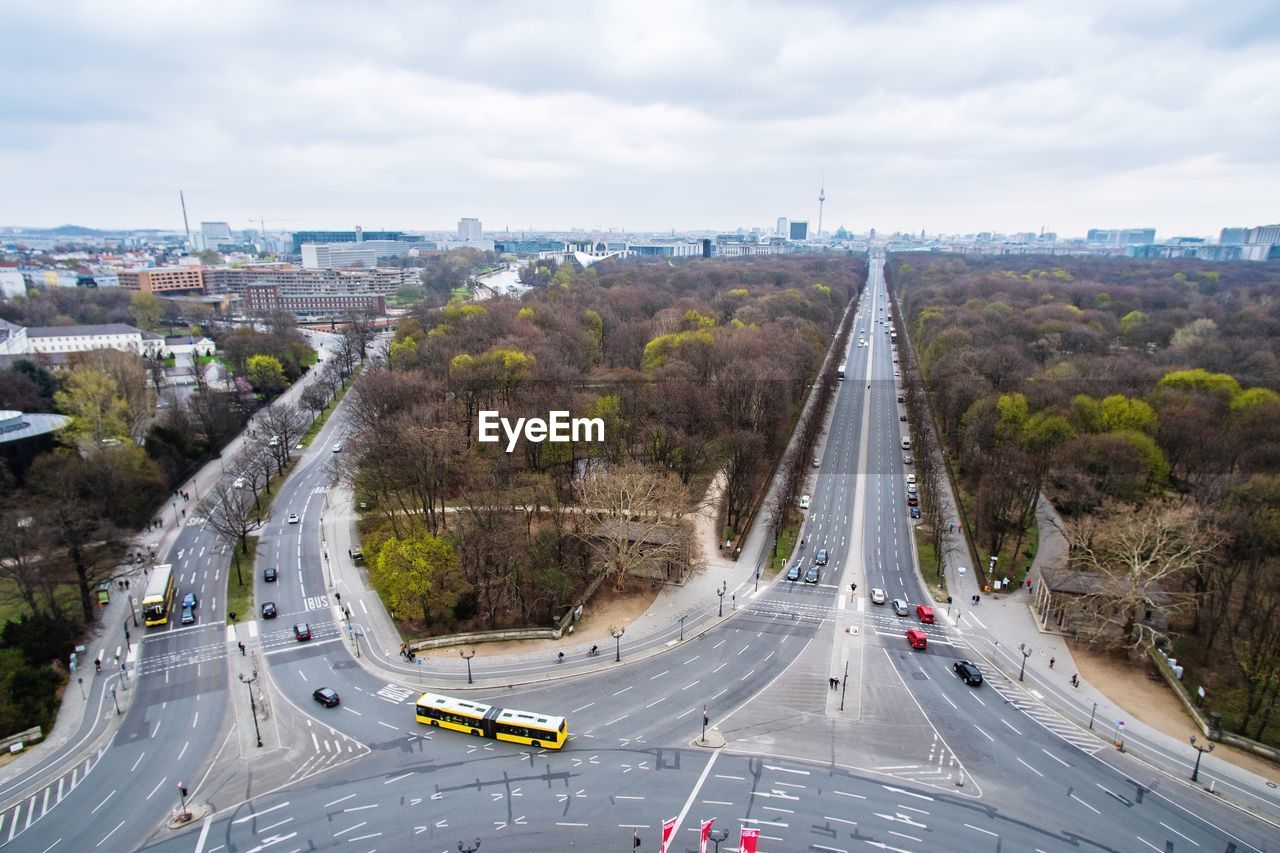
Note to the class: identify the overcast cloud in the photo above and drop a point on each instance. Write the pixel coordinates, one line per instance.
(950, 116)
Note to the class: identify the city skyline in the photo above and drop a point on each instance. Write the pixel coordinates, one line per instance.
(1023, 116)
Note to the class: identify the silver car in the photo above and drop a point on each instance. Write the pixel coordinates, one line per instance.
(878, 596)
(900, 607)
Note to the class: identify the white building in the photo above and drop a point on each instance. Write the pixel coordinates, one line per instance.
(12, 283)
(784, 226)
(214, 233)
(338, 256)
(469, 230)
(65, 339)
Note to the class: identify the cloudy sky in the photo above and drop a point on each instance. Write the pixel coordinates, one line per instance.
(952, 116)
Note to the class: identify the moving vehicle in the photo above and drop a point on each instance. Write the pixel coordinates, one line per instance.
(269, 610)
(189, 600)
(188, 616)
(158, 596)
(302, 631)
(293, 518)
(337, 448)
(925, 614)
(540, 730)
(269, 574)
(840, 371)
(900, 607)
(804, 501)
(916, 638)
(326, 696)
(968, 672)
(878, 596)
(793, 573)
(811, 576)
(821, 557)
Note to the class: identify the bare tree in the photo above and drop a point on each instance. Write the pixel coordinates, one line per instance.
(233, 517)
(634, 515)
(284, 424)
(1141, 561)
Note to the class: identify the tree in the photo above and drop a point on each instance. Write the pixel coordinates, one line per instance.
(419, 575)
(23, 561)
(634, 515)
(97, 412)
(234, 515)
(314, 397)
(147, 311)
(129, 371)
(265, 374)
(1141, 562)
(283, 423)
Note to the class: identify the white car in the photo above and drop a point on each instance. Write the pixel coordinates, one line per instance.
(239, 483)
(337, 448)
(911, 478)
(878, 596)
(804, 501)
(293, 518)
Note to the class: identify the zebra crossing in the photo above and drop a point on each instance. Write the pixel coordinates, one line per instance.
(18, 818)
(159, 662)
(1045, 716)
(328, 747)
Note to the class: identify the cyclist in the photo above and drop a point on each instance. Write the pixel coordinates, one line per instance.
(560, 657)
(595, 650)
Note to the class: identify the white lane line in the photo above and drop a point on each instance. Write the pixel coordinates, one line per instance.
(846, 794)
(1029, 767)
(1086, 805)
(582, 707)
(274, 825)
(1010, 725)
(1179, 834)
(983, 732)
(250, 817)
(398, 778)
(1148, 843)
(983, 831)
(136, 763)
(339, 800)
(360, 808)
(350, 828)
(686, 687)
(156, 788)
(1054, 757)
(659, 675)
(93, 811)
(109, 834)
(840, 820)
(706, 771)
(624, 690)
(651, 704)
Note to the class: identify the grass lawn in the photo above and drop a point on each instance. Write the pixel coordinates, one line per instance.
(240, 597)
(786, 545)
(12, 608)
(929, 564)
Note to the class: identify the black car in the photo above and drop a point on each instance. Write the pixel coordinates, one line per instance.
(269, 610)
(915, 512)
(302, 631)
(269, 574)
(811, 576)
(968, 672)
(793, 573)
(821, 557)
(326, 696)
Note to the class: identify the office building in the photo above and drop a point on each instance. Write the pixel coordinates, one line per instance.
(336, 256)
(266, 298)
(799, 231)
(213, 233)
(783, 226)
(1264, 235)
(359, 235)
(469, 230)
(1233, 236)
(1121, 236)
(163, 280)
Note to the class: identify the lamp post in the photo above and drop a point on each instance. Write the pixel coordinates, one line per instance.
(757, 583)
(467, 658)
(724, 585)
(115, 701)
(715, 836)
(1200, 751)
(617, 633)
(1026, 653)
(682, 618)
(253, 706)
(132, 610)
(464, 847)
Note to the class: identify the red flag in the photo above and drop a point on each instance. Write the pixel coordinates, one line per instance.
(668, 829)
(747, 841)
(706, 835)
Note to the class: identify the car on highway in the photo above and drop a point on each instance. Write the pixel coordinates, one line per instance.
(900, 607)
(189, 600)
(968, 672)
(793, 573)
(916, 638)
(821, 557)
(915, 511)
(239, 483)
(804, 501)
(878, 596)
(337, 448)
(269, 574)
(811, 576)
(293, 518)
(925, 614)
(302, 631)
(188, 616)
(326, 696)
(269, 610)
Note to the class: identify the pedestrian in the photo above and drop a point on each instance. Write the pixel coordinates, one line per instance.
(348, 552)
(241, 645)
(120, 585)
(414, 655)
(1050, 663)
(951, 528)
(97, 664)
(126, 583)
(184, 513)
(1075, 680)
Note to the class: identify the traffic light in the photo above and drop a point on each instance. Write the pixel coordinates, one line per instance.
(338, 597)
(635, 841)
(182, 788)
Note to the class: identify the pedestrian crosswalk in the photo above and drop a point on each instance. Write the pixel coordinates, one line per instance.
(328, 747)
(18, 818)
(160, 661)
(1045, 716)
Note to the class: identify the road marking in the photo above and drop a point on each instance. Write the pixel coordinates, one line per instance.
(906, 793)
(734, 778)
(250, 817)
(1179, 834)
(1010, 725)
(1054, 757)
(692, 659)
(274, 825)
(350, 828)
(623, 717)
(565, 823)
(109, 834)
(582, 707)
(686, 687)
(398, 778)
(1148, 843)
(840, 820)
(94, 811)
(791, 770)
(651, 704)
(624, 690)
(361, 808)
(1029, 767)
(706, 771)
(716, 803)
(984, 733)
(983, 831)
(659, 675)
(156, 788)
(131, 769)
(1083, 803)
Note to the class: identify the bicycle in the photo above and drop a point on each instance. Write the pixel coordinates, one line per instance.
(560, 657)
(594, 652)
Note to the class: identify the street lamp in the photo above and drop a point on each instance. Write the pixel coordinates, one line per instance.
(1200, 751)
(1026, 653)
(715, 836)
(115, 701)
(253, 706)
(463, 847)
(133, 611)
(682, 618)
(757, 578)
(617, 633)
(467, 658)
(724, 585)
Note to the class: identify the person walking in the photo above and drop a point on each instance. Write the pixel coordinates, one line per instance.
(241, 645)
(1051, 663)
(1075, 680)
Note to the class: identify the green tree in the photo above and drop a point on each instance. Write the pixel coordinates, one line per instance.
(1118, 412)
(266, 374)
(419, 575)
(97, 412)
(147, 311)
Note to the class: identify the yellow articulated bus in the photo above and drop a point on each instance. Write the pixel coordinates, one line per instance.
(541, 730)
(158, 598)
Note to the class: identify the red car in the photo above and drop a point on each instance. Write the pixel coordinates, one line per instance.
(925, 614)
(916, 638)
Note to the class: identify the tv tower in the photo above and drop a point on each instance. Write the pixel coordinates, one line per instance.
(822, 197)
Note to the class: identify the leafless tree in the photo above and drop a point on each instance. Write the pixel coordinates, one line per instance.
(233, 516)
(284, 425)
(634, 515)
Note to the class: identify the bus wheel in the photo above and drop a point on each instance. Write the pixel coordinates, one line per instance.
(475, 732)
(434, 723)
(537, 744)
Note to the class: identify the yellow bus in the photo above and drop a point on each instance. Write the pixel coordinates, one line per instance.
(158, 597)
(541, 730)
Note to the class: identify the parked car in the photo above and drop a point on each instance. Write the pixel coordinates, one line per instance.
(269, 574)
(915, 511)
(817, 461)
(189, 600)
(900, 607)
(913, 500)
(916, 638)
(239, 483)
(968, 672)
(821, 557)
(811, 576)
(269, 610)
(804, 501)
(911, 478)
(793, 573)
(302, 631)
(912, 489)
(337, 448)
(878, 596)
(326, 696)
(907, 459)
(925, 614)
(902, 418)
(293, 518)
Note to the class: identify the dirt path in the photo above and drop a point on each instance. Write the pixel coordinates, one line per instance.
(1155, 704)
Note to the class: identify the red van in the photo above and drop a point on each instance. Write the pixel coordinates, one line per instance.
(925, 614)
(916, 638)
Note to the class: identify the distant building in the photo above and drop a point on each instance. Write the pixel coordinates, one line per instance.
(12, 283)
(799, 231)
(301, 237)
(1233, 236)
(331, 256)
(163, 280)
(1263, 234)
(213, 233)
(265, 298)
(58, 340)
(783, 227)
(469, 230)
(532, 246)
(1121, 236)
